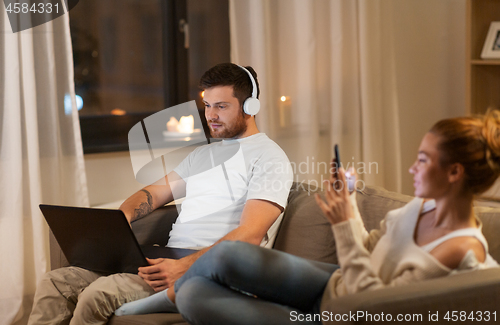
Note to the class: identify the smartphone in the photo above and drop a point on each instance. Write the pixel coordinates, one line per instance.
(337, 158)
(349, 178)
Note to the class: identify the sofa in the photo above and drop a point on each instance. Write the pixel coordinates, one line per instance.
(305, 232)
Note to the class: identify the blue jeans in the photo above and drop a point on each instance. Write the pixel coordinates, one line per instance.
(239, 283)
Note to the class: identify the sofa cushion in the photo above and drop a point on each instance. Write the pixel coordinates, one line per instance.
(490, 217)
(304, 231)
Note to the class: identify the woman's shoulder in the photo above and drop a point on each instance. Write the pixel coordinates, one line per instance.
(453, 251)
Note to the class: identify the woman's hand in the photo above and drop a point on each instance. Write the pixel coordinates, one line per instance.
(337, 207)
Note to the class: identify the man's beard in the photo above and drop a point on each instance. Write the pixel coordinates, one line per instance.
(229, 131)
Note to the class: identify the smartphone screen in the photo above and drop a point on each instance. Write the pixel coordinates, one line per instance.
(350, 180)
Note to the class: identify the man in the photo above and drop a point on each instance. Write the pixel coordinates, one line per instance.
(242, 203)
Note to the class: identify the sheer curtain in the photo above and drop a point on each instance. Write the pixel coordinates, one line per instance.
(334, 71)
(41, 157)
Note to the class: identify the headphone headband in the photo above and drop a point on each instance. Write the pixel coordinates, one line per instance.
(254, 84)
(251, 106)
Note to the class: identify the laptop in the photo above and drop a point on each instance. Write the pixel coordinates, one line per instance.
(101, 240)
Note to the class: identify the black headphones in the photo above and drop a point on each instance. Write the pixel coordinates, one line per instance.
(251, 105)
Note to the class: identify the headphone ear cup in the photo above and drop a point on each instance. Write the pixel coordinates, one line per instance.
(251, 106)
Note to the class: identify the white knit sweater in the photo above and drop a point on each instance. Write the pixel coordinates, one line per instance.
(388, 256)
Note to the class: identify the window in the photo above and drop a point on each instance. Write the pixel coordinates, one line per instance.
(130, 61)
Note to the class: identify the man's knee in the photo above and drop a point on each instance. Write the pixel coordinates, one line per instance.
(71, 275)
(51, 285)
(97, 301)
(229, 256)
(56, 297)
(100, 299)
(57, 275)
(48, 279)
(225, 251)
(193, 296)
(65, 282)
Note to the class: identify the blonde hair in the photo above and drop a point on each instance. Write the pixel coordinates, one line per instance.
(473, 142)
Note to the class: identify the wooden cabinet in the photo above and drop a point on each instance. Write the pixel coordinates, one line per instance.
(483, 76)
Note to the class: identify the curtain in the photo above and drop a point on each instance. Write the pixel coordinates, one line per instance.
(41, 156)
(337, 72)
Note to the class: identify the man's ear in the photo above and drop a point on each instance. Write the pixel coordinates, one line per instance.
(456, 172)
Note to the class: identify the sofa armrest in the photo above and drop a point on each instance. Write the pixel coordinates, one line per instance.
(469, 292)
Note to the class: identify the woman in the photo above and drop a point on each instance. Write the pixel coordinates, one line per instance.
(434, 235)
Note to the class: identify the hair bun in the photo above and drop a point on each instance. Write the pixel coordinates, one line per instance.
(491, 135)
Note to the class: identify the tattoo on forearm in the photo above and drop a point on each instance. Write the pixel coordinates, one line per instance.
(145, 208)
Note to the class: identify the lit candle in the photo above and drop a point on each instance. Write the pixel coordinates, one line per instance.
(186, 124)
(172, 124)
(284, 110)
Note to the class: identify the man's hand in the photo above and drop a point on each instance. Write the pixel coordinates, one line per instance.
(162, 273)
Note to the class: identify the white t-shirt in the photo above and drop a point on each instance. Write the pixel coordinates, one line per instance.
(220, 178)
